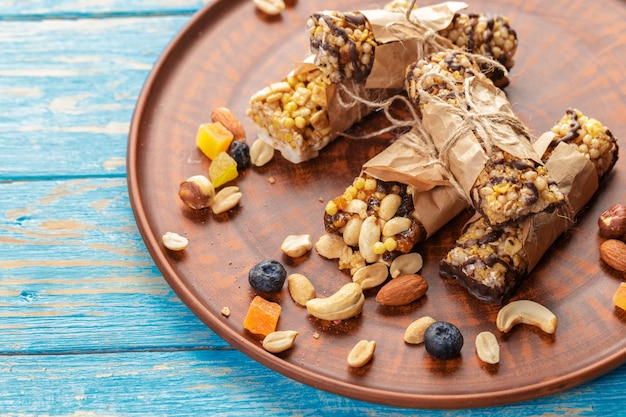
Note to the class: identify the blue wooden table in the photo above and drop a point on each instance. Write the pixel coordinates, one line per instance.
(88, 326)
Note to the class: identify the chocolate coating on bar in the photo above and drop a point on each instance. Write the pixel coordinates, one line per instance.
(493, 295)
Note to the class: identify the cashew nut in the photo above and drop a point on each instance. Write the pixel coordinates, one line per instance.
(526, 312)
(344, 304)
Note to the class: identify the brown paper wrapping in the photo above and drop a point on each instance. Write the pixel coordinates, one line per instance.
(401, 42)
(467, 156)
(578, 180)
(435, 200)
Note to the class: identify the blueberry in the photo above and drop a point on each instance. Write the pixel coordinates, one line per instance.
(443, 340)
(240, 152)
(267, 276)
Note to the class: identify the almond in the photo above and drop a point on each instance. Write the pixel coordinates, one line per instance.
(402, 290)
(613, 252)
(227, 118)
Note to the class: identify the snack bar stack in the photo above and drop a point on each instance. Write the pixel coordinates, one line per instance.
(374, 46)
(479, 138)
(490, 263)
(315, 103)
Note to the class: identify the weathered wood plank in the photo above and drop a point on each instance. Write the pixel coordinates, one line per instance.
(74, 274)
(31, 9)
(76, 277)
(224, 383)
(68, 90)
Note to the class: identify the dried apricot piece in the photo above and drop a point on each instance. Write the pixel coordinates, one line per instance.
(262, 316)
(619, 298)
(222, 169)
(213, 138)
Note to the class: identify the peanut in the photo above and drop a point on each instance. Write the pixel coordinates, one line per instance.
(414, 333)
(270, 7)
(361, 353)
(369, 235)
(330, 246)
(389, 206)
(174, 241)
(279, 341)
(300, 288)
(409, 263)
(197, 192)
(396, 225)
(261, 153)
(371, 276)
(295, 246)
(226, 199)
(487, 347)
(351, 231)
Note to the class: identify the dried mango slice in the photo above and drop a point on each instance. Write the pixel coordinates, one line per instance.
(619, 298)
(262, 316)
(223, 169)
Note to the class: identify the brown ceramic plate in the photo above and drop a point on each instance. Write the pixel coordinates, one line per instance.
(570, 54)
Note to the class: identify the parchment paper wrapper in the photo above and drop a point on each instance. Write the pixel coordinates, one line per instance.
(467, 157)
(435, 200)
(401, 42)
(577, 179)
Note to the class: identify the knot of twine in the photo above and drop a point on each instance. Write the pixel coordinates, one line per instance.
(490, 129)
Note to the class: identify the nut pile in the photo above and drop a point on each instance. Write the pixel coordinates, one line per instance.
(375, 219)
(612, 228)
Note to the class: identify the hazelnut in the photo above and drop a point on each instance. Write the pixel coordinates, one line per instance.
(197, 192)
(612, 222)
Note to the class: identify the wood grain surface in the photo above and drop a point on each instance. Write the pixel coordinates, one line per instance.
(88, 325)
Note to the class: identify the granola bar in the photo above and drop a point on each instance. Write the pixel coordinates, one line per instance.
(344, 44)
(491, 263)
(487, 35)
(511, 182)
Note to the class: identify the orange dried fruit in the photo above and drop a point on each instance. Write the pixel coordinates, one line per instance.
(213, 138)
(262, 316)
(619, 298)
